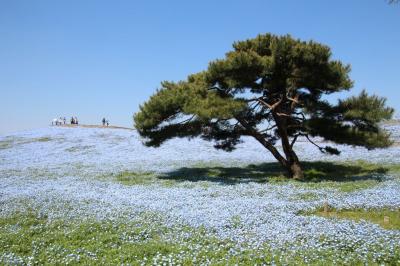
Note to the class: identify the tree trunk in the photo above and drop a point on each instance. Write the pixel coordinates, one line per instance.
(295, 170)
(263, 141)
(292, 161)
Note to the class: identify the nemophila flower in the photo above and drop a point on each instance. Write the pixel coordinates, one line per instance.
(61, 178)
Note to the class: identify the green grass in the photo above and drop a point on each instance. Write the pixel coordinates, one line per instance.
(42, 139)
(32, 239)
(134, 178)
(313, 172)
(344, 176)
(41, 241)
(342, 171)
(347, 187)
(306, 196)
(59, 242)
(129, 178)
(375, 216)
(7, 143)
(348, 176)
(10, 142)
(79, 148)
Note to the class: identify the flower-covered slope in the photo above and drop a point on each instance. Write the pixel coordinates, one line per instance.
(62, 173)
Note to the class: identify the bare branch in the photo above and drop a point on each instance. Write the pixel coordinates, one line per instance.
(294, 100)
(283, 114)
(255, 106)
(187, 120)
(312, 142)
(267, 129)
(294, 140)
(322, 149)
(303, 117)
(214, 88)
(272, 107)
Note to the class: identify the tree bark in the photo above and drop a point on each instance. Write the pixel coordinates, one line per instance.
(293, 164)
(295, 170)
(254, 133)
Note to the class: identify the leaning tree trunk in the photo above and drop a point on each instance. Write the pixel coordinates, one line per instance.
(293, 165)
(291, 162)
(295, 170)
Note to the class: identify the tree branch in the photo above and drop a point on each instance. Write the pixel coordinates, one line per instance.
(322, 149)
(267, 129)
(187, 120)
(294, 100)
(258, 136)
(283, 114)
(273, 106)
(294, 140)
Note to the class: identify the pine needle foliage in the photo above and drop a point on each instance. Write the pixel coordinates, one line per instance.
(271, 88)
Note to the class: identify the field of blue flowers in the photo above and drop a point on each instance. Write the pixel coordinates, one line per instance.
(98, 196)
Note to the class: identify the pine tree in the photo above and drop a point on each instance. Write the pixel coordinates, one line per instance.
(270, 88)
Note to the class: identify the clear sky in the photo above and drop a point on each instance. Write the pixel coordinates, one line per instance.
(98, 58)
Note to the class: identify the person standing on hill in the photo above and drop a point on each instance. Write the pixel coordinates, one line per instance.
(104, 121)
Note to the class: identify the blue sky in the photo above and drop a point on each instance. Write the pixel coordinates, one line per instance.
(104, 58)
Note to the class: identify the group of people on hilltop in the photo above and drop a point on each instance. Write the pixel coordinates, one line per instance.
(62, 121)
(105, 122)
(59, 121)
(74, 120)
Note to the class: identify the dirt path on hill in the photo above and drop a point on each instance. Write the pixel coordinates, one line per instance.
(95, 126)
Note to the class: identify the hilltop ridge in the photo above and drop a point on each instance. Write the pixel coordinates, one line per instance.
(94, 126)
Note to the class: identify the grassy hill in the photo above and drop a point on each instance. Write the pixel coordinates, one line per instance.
(89, 195)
